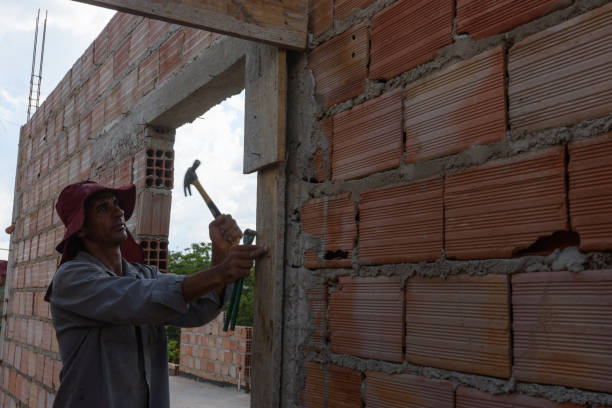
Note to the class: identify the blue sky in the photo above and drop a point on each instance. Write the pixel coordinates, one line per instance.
(216, 138)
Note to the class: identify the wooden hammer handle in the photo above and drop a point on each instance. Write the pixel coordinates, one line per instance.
(213, 208)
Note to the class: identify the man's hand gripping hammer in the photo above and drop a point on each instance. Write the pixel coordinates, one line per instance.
(248, 237)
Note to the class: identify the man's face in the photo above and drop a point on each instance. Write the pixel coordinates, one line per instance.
(104, 222)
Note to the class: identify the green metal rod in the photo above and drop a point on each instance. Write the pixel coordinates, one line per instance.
(228, 316)
(237, 304)
(232, 311)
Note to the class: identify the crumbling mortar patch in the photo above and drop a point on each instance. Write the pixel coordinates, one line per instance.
(568, 259)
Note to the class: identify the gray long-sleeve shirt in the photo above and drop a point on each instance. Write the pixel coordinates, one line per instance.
(111, 335)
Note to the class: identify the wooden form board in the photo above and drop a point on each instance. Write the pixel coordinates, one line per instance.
(264, 111)
(281, 23)
(266, 362)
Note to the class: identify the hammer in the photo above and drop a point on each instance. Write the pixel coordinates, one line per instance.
(192, 178)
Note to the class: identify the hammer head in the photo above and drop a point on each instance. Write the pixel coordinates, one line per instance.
(190, 177)
(248, 236)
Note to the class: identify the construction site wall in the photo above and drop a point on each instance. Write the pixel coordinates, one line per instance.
(449, 216)
(79, 133)
(209, 353)
(448, 198)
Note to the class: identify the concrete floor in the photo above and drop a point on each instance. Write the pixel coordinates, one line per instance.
(187, 393)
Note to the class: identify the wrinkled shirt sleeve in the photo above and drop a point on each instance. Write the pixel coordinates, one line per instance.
(90, 291)
(203, 310)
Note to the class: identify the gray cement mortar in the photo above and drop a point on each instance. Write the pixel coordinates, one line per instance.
(304, 136)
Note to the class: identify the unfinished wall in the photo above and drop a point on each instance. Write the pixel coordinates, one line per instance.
(209, 353)
(93, 126)
(449, 217)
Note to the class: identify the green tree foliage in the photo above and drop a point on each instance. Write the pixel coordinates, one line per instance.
(194, 259)
(190, 260)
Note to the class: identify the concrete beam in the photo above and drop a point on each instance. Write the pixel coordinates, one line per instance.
(280, 23)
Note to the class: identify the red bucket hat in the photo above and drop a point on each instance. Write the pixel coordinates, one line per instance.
(71, 209)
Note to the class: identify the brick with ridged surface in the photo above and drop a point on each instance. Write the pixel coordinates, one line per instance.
(317, 300)
(461, 323)
(368, 137)
(504, 206)
(482, 18)
(340, 65)
(401, 223)
(171, 55)
(332, 219)
(590, 192)
(407, 391)
(472, 398)
(147, 73)
(101, 44)
(562, 75)
(460, 107)
(313, 393)
(138, 41)
(365, 318)
(563, 328)
(344, 8)
(344, 388)
(121, 58)
(320, 16)
(196, 40)
(407, 34)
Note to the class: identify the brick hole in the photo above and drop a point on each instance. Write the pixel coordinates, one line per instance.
(339, 254)
(158, 182)
(159, 163)
(168, 155)
(547, 244)
(168, 183)
(150, 153)
(149, 182)
(163, 245)
(159, 153)
(153, 245)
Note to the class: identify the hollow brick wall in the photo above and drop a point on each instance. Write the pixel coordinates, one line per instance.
(449, 219)
(70, 138)
(209, 353)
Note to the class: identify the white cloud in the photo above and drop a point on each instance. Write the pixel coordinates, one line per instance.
(217, 141)
(70, 16)
(12, 100)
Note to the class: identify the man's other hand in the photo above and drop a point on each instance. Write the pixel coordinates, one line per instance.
(239, 262)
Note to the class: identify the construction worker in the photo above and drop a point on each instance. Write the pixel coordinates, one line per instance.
(109, 310)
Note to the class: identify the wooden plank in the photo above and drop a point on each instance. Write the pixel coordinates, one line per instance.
(269, 280)
(264, 123)
(281, 23)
